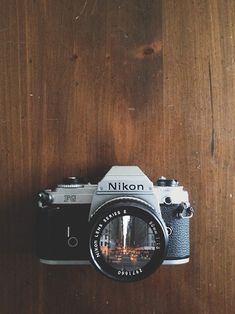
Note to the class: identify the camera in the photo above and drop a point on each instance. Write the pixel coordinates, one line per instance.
(125, 225)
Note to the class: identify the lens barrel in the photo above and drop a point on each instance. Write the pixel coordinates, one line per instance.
(128, 240)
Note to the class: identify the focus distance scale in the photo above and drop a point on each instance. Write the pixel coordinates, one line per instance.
(124, 225)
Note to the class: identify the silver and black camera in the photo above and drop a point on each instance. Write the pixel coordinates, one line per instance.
(124, 225)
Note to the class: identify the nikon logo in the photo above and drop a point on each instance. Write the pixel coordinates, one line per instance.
(121, 186)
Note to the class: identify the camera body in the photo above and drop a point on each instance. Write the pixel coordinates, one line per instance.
(117, 223)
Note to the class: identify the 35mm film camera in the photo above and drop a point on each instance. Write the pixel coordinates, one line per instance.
(124, 225)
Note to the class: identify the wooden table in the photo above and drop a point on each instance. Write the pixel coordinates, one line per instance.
(89, 84)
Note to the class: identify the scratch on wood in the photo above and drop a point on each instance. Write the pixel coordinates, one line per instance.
(82, 11)
(212, 112)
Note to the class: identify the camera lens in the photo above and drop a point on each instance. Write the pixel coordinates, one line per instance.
(128, 240)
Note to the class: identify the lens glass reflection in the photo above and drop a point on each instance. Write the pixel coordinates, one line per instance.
(127, 243)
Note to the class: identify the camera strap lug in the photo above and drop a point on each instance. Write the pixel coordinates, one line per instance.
(184, 212)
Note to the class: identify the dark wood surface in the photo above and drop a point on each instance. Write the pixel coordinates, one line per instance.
(88, 84)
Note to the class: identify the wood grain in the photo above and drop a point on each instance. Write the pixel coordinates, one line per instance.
(89, 84)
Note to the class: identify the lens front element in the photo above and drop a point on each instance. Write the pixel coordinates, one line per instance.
(128, 241)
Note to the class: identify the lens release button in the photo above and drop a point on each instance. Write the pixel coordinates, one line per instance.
(169, 230)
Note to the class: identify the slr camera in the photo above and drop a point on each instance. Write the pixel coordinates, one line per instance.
(124, 225)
